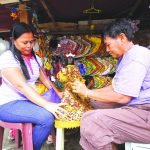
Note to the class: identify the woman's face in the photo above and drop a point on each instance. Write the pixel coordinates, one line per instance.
(114, 46)
(25, 43)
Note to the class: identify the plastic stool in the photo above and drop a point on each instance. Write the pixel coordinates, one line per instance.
(26, 131)
(136, 146)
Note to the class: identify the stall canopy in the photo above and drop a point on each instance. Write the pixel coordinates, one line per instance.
(75, 15)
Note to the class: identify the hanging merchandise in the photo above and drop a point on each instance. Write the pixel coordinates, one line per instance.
(36, 47)
(92, 66)
(41, 43)
(89, 56)
(34, 19)
(81, 46)
(82, 69)
(96, 44)
(14, 13)
(47, 64)
(85, 47)
(16, 10)
(101, 81)
(67, 46)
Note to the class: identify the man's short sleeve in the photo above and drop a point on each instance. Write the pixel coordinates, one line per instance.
(7, 60)
(129, 79)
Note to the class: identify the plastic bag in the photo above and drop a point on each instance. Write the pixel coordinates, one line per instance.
(51, 96)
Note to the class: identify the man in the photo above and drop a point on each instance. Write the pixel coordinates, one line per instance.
(101, 129)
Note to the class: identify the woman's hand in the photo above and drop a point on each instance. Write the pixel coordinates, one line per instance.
(57, 110)
(79, 88)
(60, 94)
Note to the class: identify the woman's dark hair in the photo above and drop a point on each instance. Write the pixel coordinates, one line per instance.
(17, 31)
(119, 26)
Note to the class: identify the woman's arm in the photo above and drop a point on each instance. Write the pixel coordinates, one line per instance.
(45, 80)
(106, 94)
(48, 83)
(16, 78)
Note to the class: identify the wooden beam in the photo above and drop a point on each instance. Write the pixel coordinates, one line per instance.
(70, 26)
(59, 25)
(8, 1)
(74, 32)
(3, 30)
(138, 2)
(48, 12)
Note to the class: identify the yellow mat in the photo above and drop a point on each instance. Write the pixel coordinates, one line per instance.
(67, 124)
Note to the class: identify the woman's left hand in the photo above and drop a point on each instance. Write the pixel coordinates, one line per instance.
(60, 94)
(57, 110)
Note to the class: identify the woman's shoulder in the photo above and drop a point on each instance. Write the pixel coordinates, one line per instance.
(7, 60)
(39, 60)
(7, 53)
(37, 57)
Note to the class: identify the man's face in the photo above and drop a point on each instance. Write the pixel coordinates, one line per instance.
(114, 46)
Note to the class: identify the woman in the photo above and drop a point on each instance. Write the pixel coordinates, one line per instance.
(101, 129)
(19, 100)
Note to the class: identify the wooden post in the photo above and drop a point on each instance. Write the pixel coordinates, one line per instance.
(23, 13)
(8, 1)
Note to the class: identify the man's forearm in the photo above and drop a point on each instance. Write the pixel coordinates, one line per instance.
(107, 95)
